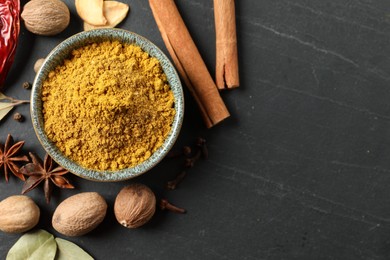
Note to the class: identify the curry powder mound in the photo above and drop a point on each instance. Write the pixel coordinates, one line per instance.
(109, 106)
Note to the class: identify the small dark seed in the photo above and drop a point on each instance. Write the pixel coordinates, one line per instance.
(200, 141)
(186, 150)
(171, 185)
(26, 85)
(18, 117)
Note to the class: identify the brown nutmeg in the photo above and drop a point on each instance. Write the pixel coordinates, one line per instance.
(18, 214)
(46, 17)
(134, 205)
(79, 214)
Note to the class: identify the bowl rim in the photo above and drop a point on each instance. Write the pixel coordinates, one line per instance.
(88, 37)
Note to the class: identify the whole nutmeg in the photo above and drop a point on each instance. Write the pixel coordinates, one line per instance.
(18, 214)
(79, 214)
(45, 17)
(134, 205)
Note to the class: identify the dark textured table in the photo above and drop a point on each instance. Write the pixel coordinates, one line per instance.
(300, 170)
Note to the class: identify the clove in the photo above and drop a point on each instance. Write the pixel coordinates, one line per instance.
(171, 185)
(190, 162)
(186, 151)
(26, 85)
(165, 205)
(18, 117)
(201, 144)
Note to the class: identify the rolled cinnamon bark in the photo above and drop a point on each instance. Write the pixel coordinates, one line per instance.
(188, 61)
(226, 72)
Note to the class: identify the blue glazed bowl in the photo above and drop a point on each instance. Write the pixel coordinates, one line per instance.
(57, 56)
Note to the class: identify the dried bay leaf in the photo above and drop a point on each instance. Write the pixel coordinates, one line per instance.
(69, 251)
(36, 245)
(2, 96)
(5, 107)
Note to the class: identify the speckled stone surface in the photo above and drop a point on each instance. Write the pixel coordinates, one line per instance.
(56, 57)
(300, 170)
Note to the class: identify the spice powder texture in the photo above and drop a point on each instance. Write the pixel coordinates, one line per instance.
(109, 106)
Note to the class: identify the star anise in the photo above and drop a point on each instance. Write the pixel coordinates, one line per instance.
(46, 172)
(8, 157)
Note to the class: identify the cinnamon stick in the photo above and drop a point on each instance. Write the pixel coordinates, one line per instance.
(226, 72)
(188, 61)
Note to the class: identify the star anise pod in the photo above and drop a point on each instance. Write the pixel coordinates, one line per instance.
(46, 172)
(8, 157)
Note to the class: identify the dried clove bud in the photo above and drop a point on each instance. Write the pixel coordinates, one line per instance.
(186, 151)
(201, 143)
(190, 162)
(26, 85)
(18, 117)
(171, 185)
(165, 205)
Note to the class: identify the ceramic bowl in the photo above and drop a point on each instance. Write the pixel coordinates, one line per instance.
(56, 57)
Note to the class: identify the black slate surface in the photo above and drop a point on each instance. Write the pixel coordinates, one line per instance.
(299, 171)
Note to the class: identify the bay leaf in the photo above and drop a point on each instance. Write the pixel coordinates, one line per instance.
(5, 107)
(35, 245)
(2, 96)
(69, 251)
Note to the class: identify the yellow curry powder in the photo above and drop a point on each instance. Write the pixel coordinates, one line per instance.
(109, 106)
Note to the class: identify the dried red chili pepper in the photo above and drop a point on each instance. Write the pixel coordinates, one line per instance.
(9, 34)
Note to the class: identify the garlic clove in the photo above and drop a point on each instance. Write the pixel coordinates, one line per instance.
(115, 12)
(88, 26)
(91, 11)
(38, 64)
